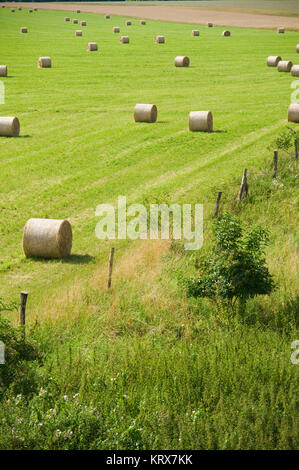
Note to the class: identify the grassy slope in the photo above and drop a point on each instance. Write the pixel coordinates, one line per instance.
(79, 144)
(153, 370)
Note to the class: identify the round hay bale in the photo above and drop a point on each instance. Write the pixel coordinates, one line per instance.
(12, 10)
(116, 29)
(201, 121)
(145, 113)
(226, 33)
(75, 21)
(9, 126)
(293, 113)
(83, 23)
(47, 238)
(78, 11)
(195, 32)
(142, 22)
(78, 32)
(284, 66)
(3, 6)
(297, 48)
(128, 23)
(67, 18)
(92, 46)
(24, 30)
(35, 9)
(295, 70)
(3, 70)
(124, 40)
(273, 60)
(280, 30)
(107, 17)
(181, 61)
(210, 25)
(44, 63)
(20, 8)
(30, 11)
(159, 39)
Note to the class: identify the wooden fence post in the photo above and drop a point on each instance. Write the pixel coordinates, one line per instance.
(217, 204)
(296, 149)
(244, 185)
(275, 159)
(110, 267)
(22, 313)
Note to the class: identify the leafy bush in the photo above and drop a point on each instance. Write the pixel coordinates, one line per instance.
(285, 140)
(7, 306)
(236, 270)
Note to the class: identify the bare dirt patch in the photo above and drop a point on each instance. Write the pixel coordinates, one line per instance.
(178, 14)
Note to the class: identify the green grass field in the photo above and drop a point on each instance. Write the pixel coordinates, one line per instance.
(151, 369)
(79, 145)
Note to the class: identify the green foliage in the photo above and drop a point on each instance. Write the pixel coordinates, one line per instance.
(215, 389)
(237, 269)
(285, 139)
(17, 353)
(7, 306)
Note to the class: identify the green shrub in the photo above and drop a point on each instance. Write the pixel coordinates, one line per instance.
(285, 140)
(236, 270)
